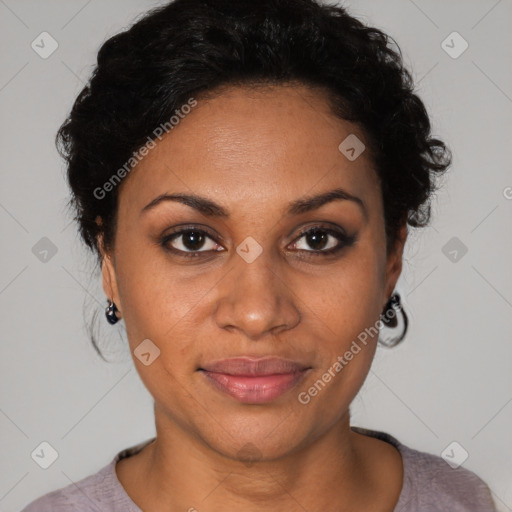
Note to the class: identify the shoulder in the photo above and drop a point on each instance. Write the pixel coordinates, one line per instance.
(83, 495)
(93, 493)
(433, 483)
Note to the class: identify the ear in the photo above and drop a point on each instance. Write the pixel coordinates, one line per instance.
(394, 262)
(109, 275)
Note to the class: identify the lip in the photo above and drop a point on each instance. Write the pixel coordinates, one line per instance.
(254, 367)
(254, 381)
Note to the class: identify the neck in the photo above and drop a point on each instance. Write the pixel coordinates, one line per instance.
(182, 473)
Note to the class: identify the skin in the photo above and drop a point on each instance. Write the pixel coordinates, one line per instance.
(253, 152)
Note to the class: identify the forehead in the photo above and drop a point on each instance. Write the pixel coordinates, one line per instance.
(259, 144)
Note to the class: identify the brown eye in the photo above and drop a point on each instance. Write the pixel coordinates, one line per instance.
(322, 241)
(190, 241)
(317, 239)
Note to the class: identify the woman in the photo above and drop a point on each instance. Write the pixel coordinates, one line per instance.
(246, 173)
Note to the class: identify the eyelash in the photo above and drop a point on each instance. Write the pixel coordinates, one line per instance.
(344, 241)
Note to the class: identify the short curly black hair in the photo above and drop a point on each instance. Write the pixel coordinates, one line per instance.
(188, 47)
(196, 48)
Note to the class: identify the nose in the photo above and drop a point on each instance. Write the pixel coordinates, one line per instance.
(255, 300)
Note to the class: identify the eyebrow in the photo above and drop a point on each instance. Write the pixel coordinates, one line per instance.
(303, 205)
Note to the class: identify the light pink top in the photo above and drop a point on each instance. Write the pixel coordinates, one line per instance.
(429, 485)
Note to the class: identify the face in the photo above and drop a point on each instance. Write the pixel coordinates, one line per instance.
(258, 271)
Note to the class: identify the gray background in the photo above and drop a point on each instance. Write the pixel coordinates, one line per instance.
(451, 380)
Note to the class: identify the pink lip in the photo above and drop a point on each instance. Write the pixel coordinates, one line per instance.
(254, 380)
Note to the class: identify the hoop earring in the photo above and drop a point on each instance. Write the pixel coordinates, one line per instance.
(110, 312)
(389, 319)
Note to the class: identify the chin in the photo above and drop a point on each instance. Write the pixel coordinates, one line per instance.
(271, 438)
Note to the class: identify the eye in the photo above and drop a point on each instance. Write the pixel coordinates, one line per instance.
(189, 242)
(323, 241)
(192, 242)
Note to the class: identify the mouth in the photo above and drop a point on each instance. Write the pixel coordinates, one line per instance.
(254, 381)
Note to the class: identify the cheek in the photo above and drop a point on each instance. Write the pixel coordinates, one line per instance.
(158, 305)
(349, 300)
(346, 313)
(155, 297)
